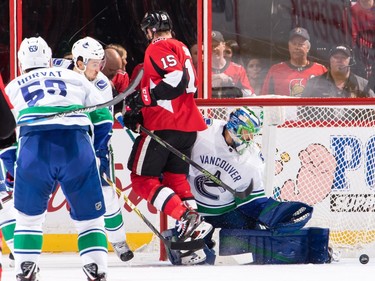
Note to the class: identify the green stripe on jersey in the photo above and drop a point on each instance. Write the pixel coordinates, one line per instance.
(100, 115)
(216, 211)
(48, 109)
(249, 198)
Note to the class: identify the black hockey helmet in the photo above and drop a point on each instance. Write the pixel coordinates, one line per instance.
(156, 21)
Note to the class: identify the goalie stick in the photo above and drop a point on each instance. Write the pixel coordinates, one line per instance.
(239, 194)
(129, 90)
(173, 245)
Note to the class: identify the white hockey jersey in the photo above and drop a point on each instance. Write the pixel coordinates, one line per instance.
(45, 91)
(102, 119)
(212, 153)
(101, 82)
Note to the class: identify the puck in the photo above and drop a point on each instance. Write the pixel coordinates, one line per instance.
(364, 259)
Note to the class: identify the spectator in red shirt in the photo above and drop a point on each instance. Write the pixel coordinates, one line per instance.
(289, 78)
(136, 69)
(113, 63)
(363, 34)
(121, 79)
(363, 18)
(227, 74)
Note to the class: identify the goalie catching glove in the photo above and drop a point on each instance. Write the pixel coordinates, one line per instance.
(140, 99)
(284, 217)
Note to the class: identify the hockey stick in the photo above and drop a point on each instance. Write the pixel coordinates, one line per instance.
(239, 194)
(173, 245)
(129, 90)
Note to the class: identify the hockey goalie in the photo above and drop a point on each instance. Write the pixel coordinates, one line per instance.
(271, 230)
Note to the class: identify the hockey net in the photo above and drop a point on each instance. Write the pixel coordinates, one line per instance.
(323, 156)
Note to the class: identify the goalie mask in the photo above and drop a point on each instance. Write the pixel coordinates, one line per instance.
(34, 52)
(86, 49)
(242, 125)
(156, 21)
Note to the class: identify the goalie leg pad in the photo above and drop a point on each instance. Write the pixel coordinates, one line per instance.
(308, 245)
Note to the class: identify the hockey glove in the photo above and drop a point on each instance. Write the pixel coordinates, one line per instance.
(284, 217)
(132, 120)
(102, 154)
(139, 99)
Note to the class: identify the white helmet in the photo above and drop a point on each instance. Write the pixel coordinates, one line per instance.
(34, 53)
(87, 48)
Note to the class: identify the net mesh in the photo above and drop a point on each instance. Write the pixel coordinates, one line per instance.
(323, 156)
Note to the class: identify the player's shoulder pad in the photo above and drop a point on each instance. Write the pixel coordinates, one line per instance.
(101, 82)
(64, 63)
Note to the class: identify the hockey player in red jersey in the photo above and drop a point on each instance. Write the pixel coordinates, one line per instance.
(289, 78)
(165, 104)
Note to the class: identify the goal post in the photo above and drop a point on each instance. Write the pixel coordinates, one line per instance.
(320, 151)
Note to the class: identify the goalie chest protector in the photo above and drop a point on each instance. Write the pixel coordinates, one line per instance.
(307, 245)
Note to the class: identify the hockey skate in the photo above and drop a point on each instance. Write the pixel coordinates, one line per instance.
(91, 271)
(29, 272)
(122, 251)
(192, 225)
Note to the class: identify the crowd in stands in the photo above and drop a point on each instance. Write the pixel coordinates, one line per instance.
(347, 73)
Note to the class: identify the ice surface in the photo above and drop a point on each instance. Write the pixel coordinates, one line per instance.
(147, 267)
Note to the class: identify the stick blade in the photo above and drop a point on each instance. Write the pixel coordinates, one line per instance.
(186, 245)
(245, 193)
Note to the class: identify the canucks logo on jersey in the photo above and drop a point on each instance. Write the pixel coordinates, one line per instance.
(101, 84)
(202, 180)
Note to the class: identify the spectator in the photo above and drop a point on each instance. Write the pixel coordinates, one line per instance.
(112, 68)
(338, 81)
(363, 34)
(289, 78)
(135, 71)
(363, 19)
(121, 79)
(194, 55)
(255, 71)
(113, 63)
(226, 73)
(232, 52)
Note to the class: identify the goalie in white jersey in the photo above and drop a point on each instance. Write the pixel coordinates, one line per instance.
(49, 152)
(228, 151)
